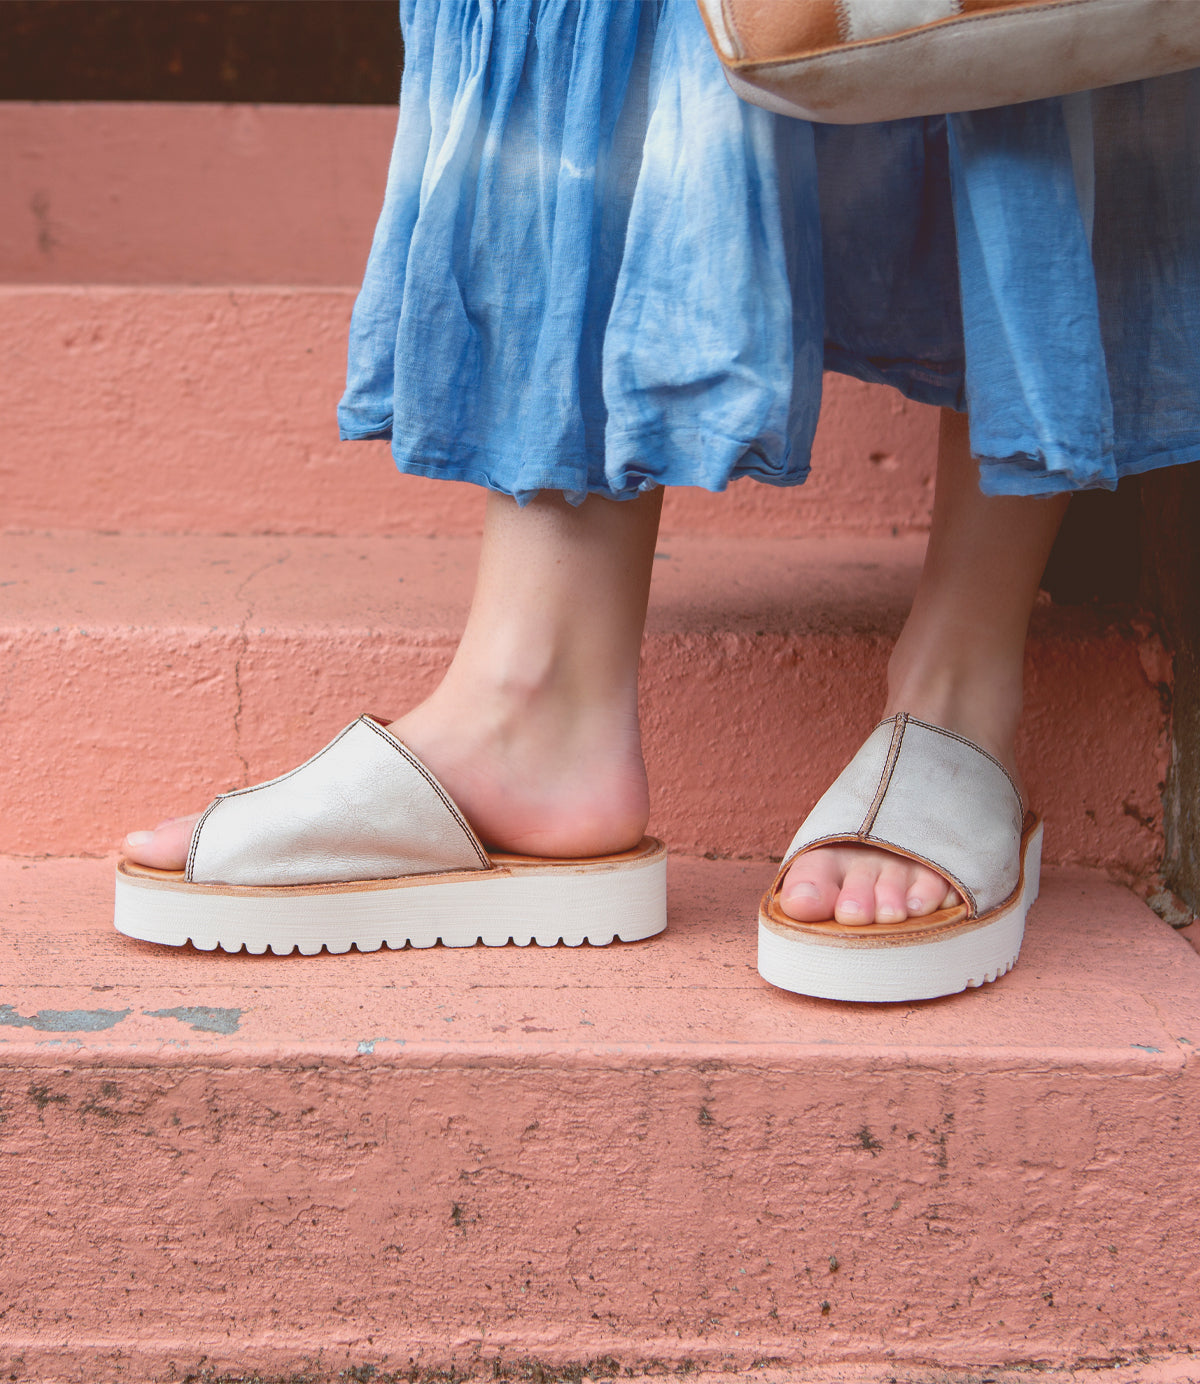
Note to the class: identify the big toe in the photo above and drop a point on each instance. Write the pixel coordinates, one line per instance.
(810, 888)
(164, 848)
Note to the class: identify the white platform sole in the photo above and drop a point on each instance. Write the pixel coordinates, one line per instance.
(903, 967)
(600, 901)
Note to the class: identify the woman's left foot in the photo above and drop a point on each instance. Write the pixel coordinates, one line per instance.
(859, 885)
(933, 796)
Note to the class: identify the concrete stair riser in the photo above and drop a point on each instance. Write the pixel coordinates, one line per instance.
(212, 410)
(189, 193)
(153, 672)
(641, 1152)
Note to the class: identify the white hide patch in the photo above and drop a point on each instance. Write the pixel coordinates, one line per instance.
(879, 18)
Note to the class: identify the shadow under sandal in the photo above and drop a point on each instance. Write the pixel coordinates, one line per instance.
(362, 847)
(922, 792)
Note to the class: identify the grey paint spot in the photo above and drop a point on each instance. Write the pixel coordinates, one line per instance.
(63, 1020)
(1145, 1047)
(366, 1045)
(201, 1017)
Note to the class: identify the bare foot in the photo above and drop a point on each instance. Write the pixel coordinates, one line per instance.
(859, 885)
(856, 885)
(533, 729)
(164, 848)
(532, 786)
(958, 664)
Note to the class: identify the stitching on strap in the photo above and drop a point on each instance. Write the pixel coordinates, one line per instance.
(386, 735)
(191, 860)
(885, 779)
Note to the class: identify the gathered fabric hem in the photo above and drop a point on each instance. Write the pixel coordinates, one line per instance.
(674, 463)
(597, 270)
(1024, 476)
(1032, 472)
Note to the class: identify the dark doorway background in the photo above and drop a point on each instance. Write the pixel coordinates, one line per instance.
(308, 51)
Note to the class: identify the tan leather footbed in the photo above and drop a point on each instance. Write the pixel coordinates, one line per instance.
(649, 848)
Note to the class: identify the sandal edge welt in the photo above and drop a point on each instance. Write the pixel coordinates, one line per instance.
(521, 899)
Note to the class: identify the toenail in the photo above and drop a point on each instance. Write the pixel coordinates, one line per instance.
(851, 910)
(889, 915)
(915, 905)
(803, 890)
(139, 838)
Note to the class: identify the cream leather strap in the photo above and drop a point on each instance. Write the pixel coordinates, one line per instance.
(933, 796)
(363, 808)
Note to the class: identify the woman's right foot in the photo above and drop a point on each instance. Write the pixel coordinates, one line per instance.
(561, 787)
(534, 729)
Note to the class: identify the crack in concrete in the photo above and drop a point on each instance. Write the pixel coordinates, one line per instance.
(241, 593)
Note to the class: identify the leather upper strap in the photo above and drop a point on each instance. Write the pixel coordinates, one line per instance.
(933, 796)
(365, 807)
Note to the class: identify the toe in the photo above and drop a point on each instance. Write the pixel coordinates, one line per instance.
(928, 892)
(810, 888)
(857, 886)
(164, 848)
(855, 904)
(891, 891)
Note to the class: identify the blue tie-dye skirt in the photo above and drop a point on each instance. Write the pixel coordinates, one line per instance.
(597, 270)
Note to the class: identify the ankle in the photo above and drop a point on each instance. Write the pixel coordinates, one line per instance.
(979, 698)
(493, 711)
(535, 779)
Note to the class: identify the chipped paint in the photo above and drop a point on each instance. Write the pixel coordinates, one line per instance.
(366, 1046)
(63, 1020)
(201, 1017)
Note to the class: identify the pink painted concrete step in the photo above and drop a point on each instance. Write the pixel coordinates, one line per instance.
(165, 192)
(212, 410)
(435, 1160)
(142, 675)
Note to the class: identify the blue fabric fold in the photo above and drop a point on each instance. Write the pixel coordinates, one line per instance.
(597, 271)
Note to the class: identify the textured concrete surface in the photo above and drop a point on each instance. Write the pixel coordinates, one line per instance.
(436, 1159)
(212, 410)
(142, 675)
(128, 192)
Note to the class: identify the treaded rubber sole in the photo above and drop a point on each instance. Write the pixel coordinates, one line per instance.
(889, 969)
(545, 903)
